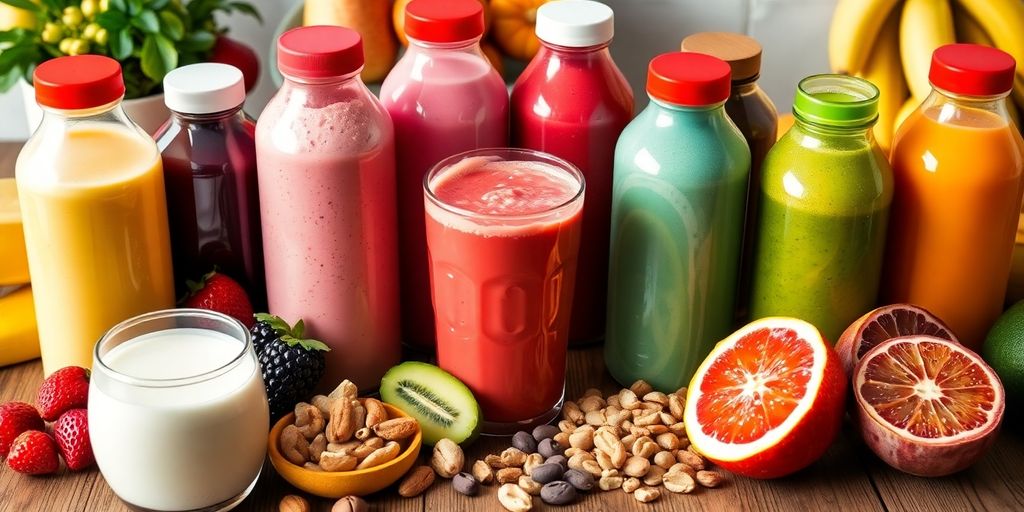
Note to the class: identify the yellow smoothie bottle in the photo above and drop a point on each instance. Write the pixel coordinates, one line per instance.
(92, 202)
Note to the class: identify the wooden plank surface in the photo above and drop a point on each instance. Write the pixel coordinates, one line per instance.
(848, 478)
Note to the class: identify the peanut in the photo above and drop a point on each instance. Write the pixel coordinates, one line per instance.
(644, 447)
(346, 390)
(690, 459)
(657, 397)
(668, 441)
(369, 446)
(294, 445)
(513, 457)
(610, 479)
(532, 460)
(676, 406)
(665, 459)
(375, 412)
(447, 459)
(528, 485)
(317, 446)
(572, 412)
(508, 475)
(646, 494)
(494, 461)
(591, 403)
(654, 476)
(341, 425)
(323, 403)
(380, 455)
(483, 472)
(628, 400)
(636, 466)
(331, 461)
(709, 478)
(397, 429)
(679, 482)
(630, 484)
(582, 439)
(514, 498)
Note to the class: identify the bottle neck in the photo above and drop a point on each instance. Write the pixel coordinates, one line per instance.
(573, 50)
(339, 80)
(213, 117)
(746, 86)
(821, 130)
(949, 104)
(715, 108)
(456, 45)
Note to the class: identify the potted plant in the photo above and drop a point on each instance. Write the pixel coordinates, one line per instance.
(148, 37)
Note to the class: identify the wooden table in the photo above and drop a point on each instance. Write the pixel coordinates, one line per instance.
(848, 478)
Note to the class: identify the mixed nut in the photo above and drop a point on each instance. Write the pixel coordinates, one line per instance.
(341, 432)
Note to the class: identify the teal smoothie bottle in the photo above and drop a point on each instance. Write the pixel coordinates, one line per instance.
(825, 194)
(678, 198)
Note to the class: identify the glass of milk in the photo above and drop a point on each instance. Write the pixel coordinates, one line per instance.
(178, 415)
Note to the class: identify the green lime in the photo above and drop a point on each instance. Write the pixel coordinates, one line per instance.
(1004, 351)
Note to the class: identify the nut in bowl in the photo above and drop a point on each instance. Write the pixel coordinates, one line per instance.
(359, 466)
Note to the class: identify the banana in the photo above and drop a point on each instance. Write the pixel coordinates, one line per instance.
(1003, 20)
(855, 25)
(884, 69)
(968, 30)
(18, 339)
(924, 26)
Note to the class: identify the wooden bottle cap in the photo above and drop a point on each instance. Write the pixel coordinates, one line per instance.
(743, 53)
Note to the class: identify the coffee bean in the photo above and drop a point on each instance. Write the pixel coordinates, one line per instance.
(546, 473)
(525, 442)
(561, 460)
(558, 493)
(542, 432)
(465, 483)
(580, 480)
(549, 448)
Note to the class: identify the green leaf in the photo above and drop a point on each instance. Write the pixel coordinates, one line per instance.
(121, 45)
(158, 57)
(147, 22)
(16, 57)
(299, 329)
(157, 5)
(28, 5)
(112, 20)
(306, 343)
(246, 8)
(200, 41)
(171, 25)
(135, 7)
(119, 5)
(10, 78)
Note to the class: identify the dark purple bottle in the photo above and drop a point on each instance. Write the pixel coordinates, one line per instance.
(209, 158)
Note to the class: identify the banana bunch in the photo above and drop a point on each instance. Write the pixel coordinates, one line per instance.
(890, 43)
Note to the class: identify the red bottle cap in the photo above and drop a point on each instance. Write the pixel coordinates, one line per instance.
(319, 51)
(78, 82)
(972, 70)
(444, 21)
(688, 79)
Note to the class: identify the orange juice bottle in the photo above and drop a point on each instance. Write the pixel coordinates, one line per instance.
(92, 201)
(957, 162)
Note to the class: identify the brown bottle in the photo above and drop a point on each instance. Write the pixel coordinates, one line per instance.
(755, 115)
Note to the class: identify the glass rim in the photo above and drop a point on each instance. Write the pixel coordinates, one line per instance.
(132, 380)
(532, 156)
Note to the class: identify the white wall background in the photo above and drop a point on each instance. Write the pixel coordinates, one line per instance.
(793, 32)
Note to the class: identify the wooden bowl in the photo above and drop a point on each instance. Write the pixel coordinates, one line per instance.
(359, 482)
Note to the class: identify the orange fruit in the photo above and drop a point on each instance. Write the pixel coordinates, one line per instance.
(513, 29)
(768, 400)
(927, 406)
(886, 323)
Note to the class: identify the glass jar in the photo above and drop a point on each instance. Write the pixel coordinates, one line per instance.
(208, 147)
(573, 102)
(91, 188)
(326, 152)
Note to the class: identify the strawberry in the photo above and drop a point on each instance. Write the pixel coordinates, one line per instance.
(34, 453)
(63, 390)
(15, 418)
(220, 293)
(72, 434)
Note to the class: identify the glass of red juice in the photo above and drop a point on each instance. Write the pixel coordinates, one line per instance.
(503, 234)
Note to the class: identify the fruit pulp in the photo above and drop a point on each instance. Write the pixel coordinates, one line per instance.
(928, 389)
(210, 435)
(959, 181)
(327, 204)
(95, 219)
(212, 200)
(503, 238)
(573, 103)
(824, 208)
(443, 101)
(679, 191)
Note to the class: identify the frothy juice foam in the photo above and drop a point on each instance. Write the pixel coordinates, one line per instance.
(179, 447)
(503, 238)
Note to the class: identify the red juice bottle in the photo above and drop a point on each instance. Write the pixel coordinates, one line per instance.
(573, 102)
(208, 147)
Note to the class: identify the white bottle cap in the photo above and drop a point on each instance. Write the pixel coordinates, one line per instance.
(204, 88)
(575, 23)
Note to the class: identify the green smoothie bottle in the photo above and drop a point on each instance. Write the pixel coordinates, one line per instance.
(825, 194)
(678, 200)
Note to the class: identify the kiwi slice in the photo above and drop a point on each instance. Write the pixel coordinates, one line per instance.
(444, 406)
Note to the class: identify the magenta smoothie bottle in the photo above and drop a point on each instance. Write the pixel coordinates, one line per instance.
(325, 148)
(444, 98)
(573, 102)
(208, 147)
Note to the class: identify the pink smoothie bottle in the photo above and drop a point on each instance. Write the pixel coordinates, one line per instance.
(573, 102)
(444, 98)
(326, 152)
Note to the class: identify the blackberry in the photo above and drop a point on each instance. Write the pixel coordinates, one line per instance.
(291, 365)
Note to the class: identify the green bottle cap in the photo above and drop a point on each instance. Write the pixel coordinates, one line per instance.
(836, 100)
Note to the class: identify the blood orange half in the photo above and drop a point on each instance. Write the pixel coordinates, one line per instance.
(927, 406)
(768, 400)
(886, 323)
